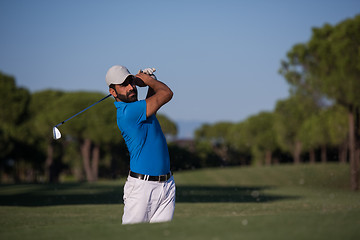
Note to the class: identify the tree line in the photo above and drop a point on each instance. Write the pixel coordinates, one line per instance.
(91, 145)
(320, 116)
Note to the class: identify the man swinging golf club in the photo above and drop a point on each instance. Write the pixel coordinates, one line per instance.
(149, 192)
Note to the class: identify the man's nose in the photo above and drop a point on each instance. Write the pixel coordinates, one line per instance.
(132, 86)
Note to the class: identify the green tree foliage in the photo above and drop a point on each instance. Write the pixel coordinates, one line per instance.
(90, 130)
(13, 112)
(260, 133)
(314, 133)
(44, 112)
(336, 56)
(238, 137)
(183, 159)
(335, 61)
(327, 128)
(103, 132)
(329, 64)
(13, 128)
(217, 138)
(203, 140)
(214, 134)
(337, 121)
(339, 129)
(167, 125)
(290, 114)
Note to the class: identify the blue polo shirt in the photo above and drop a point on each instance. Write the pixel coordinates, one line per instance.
(144, 139)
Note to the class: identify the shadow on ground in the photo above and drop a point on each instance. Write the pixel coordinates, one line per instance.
(81, 194)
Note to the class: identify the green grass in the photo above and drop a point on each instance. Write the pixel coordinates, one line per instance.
(279, 202)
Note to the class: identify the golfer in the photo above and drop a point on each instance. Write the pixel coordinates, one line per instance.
(149, 192)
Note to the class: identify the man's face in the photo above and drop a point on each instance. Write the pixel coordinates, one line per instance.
(127, 91)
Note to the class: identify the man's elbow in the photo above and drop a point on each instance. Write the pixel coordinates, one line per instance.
(170, 94)
(165, 95)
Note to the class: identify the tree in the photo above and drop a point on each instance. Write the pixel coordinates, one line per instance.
(44, 114)
(336, 67)
(168, 127)
(103, 133)
(329, 64)
(237, 138)
(302, 95)
(213, 138)
(327, 128)
(89, 130)
(14, 103)
(261, 135)
(314, 133)
(290, 114)
(338, 129)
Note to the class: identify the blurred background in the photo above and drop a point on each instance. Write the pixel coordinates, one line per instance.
(254, 82)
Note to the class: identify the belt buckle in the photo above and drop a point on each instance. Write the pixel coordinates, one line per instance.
(165, 177)
(164, 180)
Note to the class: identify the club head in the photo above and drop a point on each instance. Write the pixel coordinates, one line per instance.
(56, 133)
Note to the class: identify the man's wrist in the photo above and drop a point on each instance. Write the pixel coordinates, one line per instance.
(139, 82)
(145, 79)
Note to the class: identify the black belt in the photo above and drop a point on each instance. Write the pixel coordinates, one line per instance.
(161, 178)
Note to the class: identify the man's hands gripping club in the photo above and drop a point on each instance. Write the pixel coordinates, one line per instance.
(158, 93)
(148, 71)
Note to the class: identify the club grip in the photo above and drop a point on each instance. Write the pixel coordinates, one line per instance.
(151, 75)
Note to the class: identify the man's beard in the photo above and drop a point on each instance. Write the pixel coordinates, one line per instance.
(127, 98)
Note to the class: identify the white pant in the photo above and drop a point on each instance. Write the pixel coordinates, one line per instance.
(148, 201)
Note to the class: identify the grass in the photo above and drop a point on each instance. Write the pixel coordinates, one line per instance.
(278, 202)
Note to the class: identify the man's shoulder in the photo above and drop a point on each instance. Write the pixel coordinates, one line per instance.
(132, 104)
(131, 110)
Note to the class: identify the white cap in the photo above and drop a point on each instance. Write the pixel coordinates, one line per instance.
(116, 75)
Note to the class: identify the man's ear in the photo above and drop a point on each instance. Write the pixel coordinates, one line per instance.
(113, 92)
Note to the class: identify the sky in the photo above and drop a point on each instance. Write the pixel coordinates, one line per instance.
(220, 58)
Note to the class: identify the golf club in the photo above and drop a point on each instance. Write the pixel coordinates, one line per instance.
(56, 132)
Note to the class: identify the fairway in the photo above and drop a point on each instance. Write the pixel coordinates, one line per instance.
(278, 202)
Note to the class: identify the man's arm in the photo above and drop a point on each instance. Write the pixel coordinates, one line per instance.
(150, 93)
(158, 93)
(139, 82)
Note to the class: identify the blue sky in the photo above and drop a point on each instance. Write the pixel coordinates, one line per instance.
(221, 58)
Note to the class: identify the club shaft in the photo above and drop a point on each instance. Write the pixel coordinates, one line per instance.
(82, 111)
